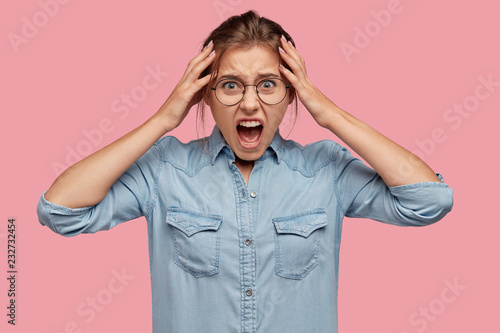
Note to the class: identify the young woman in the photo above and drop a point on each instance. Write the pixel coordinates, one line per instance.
(244, 227)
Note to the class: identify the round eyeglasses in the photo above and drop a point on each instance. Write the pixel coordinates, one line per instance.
(230, 92)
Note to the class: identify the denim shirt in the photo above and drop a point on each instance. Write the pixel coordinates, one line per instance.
(227, 257)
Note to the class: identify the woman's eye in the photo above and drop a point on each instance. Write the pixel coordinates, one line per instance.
(230, 85)
(268, 84)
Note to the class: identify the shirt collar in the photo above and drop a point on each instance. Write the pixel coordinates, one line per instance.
(217, 144)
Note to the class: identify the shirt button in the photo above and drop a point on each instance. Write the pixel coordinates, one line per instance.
(249, 292)
(253, 194)
(248, 242)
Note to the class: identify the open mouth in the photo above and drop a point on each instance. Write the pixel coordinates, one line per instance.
(249, 133)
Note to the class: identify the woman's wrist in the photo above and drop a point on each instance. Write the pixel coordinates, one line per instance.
(159, 125)
(334, 118)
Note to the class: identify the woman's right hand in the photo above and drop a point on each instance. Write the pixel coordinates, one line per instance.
(185, 93)
(88, 181)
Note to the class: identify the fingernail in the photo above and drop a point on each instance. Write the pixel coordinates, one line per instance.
(289, 42)
(208, 45)
(282, 67)
(281, 50)
(284, 38)
(211, 53)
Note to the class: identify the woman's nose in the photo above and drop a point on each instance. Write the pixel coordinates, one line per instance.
(250, 101)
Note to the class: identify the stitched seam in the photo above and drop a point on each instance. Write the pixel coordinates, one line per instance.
(335, 181)
(154, 196)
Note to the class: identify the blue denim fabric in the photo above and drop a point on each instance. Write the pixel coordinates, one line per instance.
(227, 257)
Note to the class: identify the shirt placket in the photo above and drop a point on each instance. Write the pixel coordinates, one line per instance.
(244, 216)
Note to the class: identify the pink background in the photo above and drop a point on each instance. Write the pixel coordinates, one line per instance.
(62, 81)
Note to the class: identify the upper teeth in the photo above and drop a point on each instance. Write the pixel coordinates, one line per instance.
(252, 123)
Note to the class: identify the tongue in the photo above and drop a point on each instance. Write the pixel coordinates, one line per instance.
(249, 134)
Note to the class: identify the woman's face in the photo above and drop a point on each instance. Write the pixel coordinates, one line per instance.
(249, 126)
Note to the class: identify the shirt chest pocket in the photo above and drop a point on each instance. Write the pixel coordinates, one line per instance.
(196, 240)
(297, 243)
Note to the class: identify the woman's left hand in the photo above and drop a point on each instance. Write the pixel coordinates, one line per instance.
(384, 155)
(320, 106)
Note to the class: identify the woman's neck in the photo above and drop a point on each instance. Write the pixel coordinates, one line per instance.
(245, 168)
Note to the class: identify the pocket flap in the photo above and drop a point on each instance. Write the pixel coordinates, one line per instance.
(302, 224)
(190, 222)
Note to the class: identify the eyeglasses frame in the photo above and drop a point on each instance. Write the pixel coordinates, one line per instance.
(249, 85)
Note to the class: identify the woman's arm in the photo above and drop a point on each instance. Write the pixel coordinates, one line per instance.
(396, 165)
(87, 182)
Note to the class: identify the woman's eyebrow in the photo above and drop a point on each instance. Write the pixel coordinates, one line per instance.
(265, 75)
(259, 76)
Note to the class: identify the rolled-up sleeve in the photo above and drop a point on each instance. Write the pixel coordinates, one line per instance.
(364, 194)
(130, 197)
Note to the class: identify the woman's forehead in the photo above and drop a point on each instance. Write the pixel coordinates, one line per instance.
(254, 62)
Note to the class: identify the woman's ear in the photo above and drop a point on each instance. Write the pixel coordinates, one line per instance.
(291, 96)
(207, 90)
(206, 95)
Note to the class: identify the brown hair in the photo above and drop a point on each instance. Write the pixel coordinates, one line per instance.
(243, 31)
